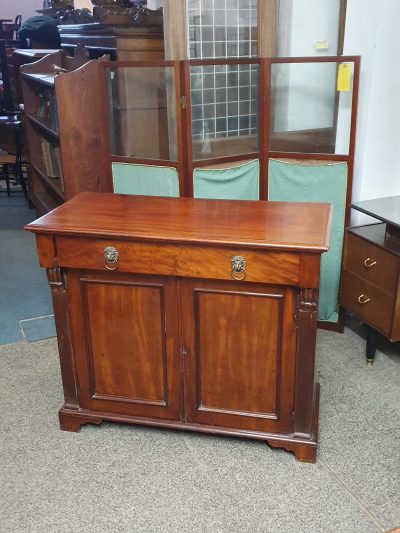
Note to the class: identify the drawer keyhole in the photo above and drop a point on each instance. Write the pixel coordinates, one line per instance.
(369, 263)
(363, 299)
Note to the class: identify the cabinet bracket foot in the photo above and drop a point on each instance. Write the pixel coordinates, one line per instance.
(306, 453)
(304, 447)
(72, 421)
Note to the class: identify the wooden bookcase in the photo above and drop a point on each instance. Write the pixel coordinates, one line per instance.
(62, 121)
(24, 56)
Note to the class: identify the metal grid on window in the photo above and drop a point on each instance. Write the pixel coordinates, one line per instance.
(224, 98)
(222, 28)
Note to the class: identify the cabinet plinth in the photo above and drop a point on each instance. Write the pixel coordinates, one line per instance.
(190, 314)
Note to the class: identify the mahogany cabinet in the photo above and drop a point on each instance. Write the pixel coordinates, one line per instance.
(186, 313)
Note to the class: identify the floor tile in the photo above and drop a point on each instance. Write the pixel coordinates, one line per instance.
(39, 328)
(360, 422)
(23, 285)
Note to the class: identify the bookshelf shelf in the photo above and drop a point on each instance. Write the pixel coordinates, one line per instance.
(55, 184)
(44, 79)
(44, 124)
(44, 203)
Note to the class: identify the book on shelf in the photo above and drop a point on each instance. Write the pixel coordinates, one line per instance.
(42, 105)
(53, 112)
(50, 162)
(57, 155)
(46, 107)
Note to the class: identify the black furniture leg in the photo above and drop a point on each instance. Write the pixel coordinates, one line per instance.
(7, 178)
(20, 177)
(18, 161)
(371, 345)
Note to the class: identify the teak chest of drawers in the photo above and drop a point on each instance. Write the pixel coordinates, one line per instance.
(370, 279)
(188, 314)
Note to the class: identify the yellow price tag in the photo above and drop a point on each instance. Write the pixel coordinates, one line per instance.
(343, 77)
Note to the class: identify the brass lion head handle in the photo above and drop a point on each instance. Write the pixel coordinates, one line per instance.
(111, 258)
(238, 267)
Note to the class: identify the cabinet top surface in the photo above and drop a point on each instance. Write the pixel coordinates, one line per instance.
(386, 209)
(283, 225)
(376, 234)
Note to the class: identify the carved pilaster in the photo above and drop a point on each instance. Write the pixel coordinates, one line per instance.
(305, 358)
(57, 284)
(55, 278)
(308, 300)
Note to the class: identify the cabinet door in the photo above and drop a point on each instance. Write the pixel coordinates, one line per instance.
(125, 342)
(240, 346)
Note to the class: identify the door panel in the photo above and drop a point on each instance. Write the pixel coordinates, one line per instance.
(232, 334)
(239, 338)
(131, 362)
(133, 365)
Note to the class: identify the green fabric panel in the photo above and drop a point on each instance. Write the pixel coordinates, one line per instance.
(322, 183)
(147, 180)
(238, 182)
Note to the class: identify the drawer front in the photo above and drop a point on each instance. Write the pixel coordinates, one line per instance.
(371, 263)
(174, 260)
(366, 301)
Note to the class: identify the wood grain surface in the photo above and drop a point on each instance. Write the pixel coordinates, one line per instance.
(272, 225)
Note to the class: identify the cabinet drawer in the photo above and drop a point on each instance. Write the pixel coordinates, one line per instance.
(371, 263)
(378, 307)
(178, 260)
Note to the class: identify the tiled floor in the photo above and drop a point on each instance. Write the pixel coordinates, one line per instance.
(25, 294)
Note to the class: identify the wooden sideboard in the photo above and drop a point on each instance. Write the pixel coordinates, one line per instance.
(190, 314)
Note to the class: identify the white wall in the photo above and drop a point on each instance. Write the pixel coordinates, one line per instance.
(372, 28)
(11, 8)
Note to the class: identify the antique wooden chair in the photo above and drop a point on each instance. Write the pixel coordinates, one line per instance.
(9, 103)
(11, 161)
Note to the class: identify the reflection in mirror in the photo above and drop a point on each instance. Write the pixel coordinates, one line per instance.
(310, 107)
(141, 102)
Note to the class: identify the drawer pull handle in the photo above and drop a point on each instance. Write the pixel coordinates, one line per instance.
(369, 263)
(362, 299)
(111, 258)
(238, 265)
